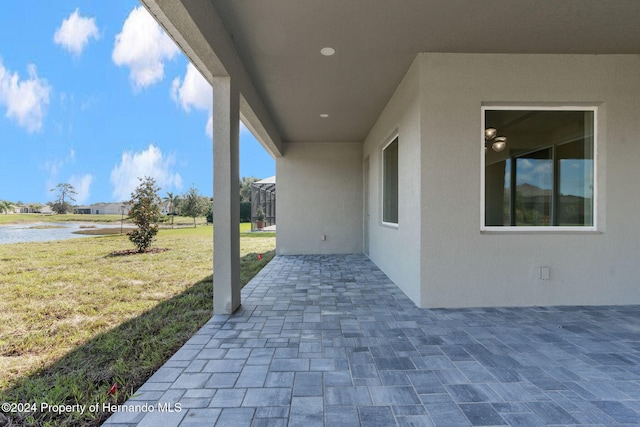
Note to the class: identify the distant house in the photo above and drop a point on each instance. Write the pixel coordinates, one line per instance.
(166, 208)
(102, 209)
(114, 209)
(33, 208)
(82, 210)
(46, 209)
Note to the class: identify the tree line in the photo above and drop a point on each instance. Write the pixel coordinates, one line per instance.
(145, 211)
(177, 204)
(144, 206)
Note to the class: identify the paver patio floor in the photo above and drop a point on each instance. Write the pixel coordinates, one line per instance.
(331, 341)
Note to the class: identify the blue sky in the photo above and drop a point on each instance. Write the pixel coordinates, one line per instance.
(93, 93)
(576, 175)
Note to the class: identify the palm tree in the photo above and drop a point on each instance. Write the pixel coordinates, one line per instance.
(173, 201)
(5, 206)
(245, 187)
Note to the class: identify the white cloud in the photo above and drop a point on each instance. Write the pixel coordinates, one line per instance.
(54, 167)
(82, 185)
(543, 167)
(538, 172)
(75, 31)
(244, 130)
(150, 162)
(143, 46)
(525, 164)
(209, 127)
(24, 99)
(194, 91)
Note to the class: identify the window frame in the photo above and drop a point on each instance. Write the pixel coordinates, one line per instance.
(544, 228)
(395, 138)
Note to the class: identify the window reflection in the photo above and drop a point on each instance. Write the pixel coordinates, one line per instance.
(545, 175)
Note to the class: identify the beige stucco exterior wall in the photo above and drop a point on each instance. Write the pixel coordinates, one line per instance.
(319, 194)
(438, 254)
(397, 250)
(463, 266)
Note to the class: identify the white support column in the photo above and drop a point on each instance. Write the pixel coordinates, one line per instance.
(226, 196)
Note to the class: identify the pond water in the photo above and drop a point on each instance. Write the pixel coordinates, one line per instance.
(45, 231)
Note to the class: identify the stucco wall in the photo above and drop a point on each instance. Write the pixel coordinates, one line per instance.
(437, 254)
(464, 267)
(319, 194)
(396, 250)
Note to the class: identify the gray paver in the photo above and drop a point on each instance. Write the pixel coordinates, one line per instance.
(228, 398)
(552, 413)
(618, 411)
(191, 381)
(168, 419)
(482, 414)
(306, 412)
(341, 416)
(257, 397)
(330, 340)
(414, 421)
(347, 396)
(236, 417)
(376, 416)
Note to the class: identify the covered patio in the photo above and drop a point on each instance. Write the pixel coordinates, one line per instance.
(379, 109)
(330, 340)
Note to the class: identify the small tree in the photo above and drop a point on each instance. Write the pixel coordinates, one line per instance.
(193, 204)
(65, 192)
(145, 213)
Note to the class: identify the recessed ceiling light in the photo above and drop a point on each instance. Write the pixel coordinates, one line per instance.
(327, 51)
(324, 115)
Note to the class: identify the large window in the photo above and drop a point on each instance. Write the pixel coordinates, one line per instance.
(390, 182)
(539, 167)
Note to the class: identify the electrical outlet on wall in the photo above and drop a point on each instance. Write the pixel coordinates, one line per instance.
(544, 273)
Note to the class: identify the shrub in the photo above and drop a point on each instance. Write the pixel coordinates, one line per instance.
(145, 213)
(245, 211)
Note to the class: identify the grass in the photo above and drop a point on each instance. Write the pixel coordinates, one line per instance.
(178, 221)
(27, 218)
(245, 230)
(74, 319)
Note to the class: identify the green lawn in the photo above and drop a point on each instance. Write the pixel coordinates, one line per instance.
(74, 319)
(25, 218)
(179, 221)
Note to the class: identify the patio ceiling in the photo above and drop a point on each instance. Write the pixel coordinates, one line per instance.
(278, 43)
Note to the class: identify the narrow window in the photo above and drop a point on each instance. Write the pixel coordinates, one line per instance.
(539, 167)
(390, 183)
